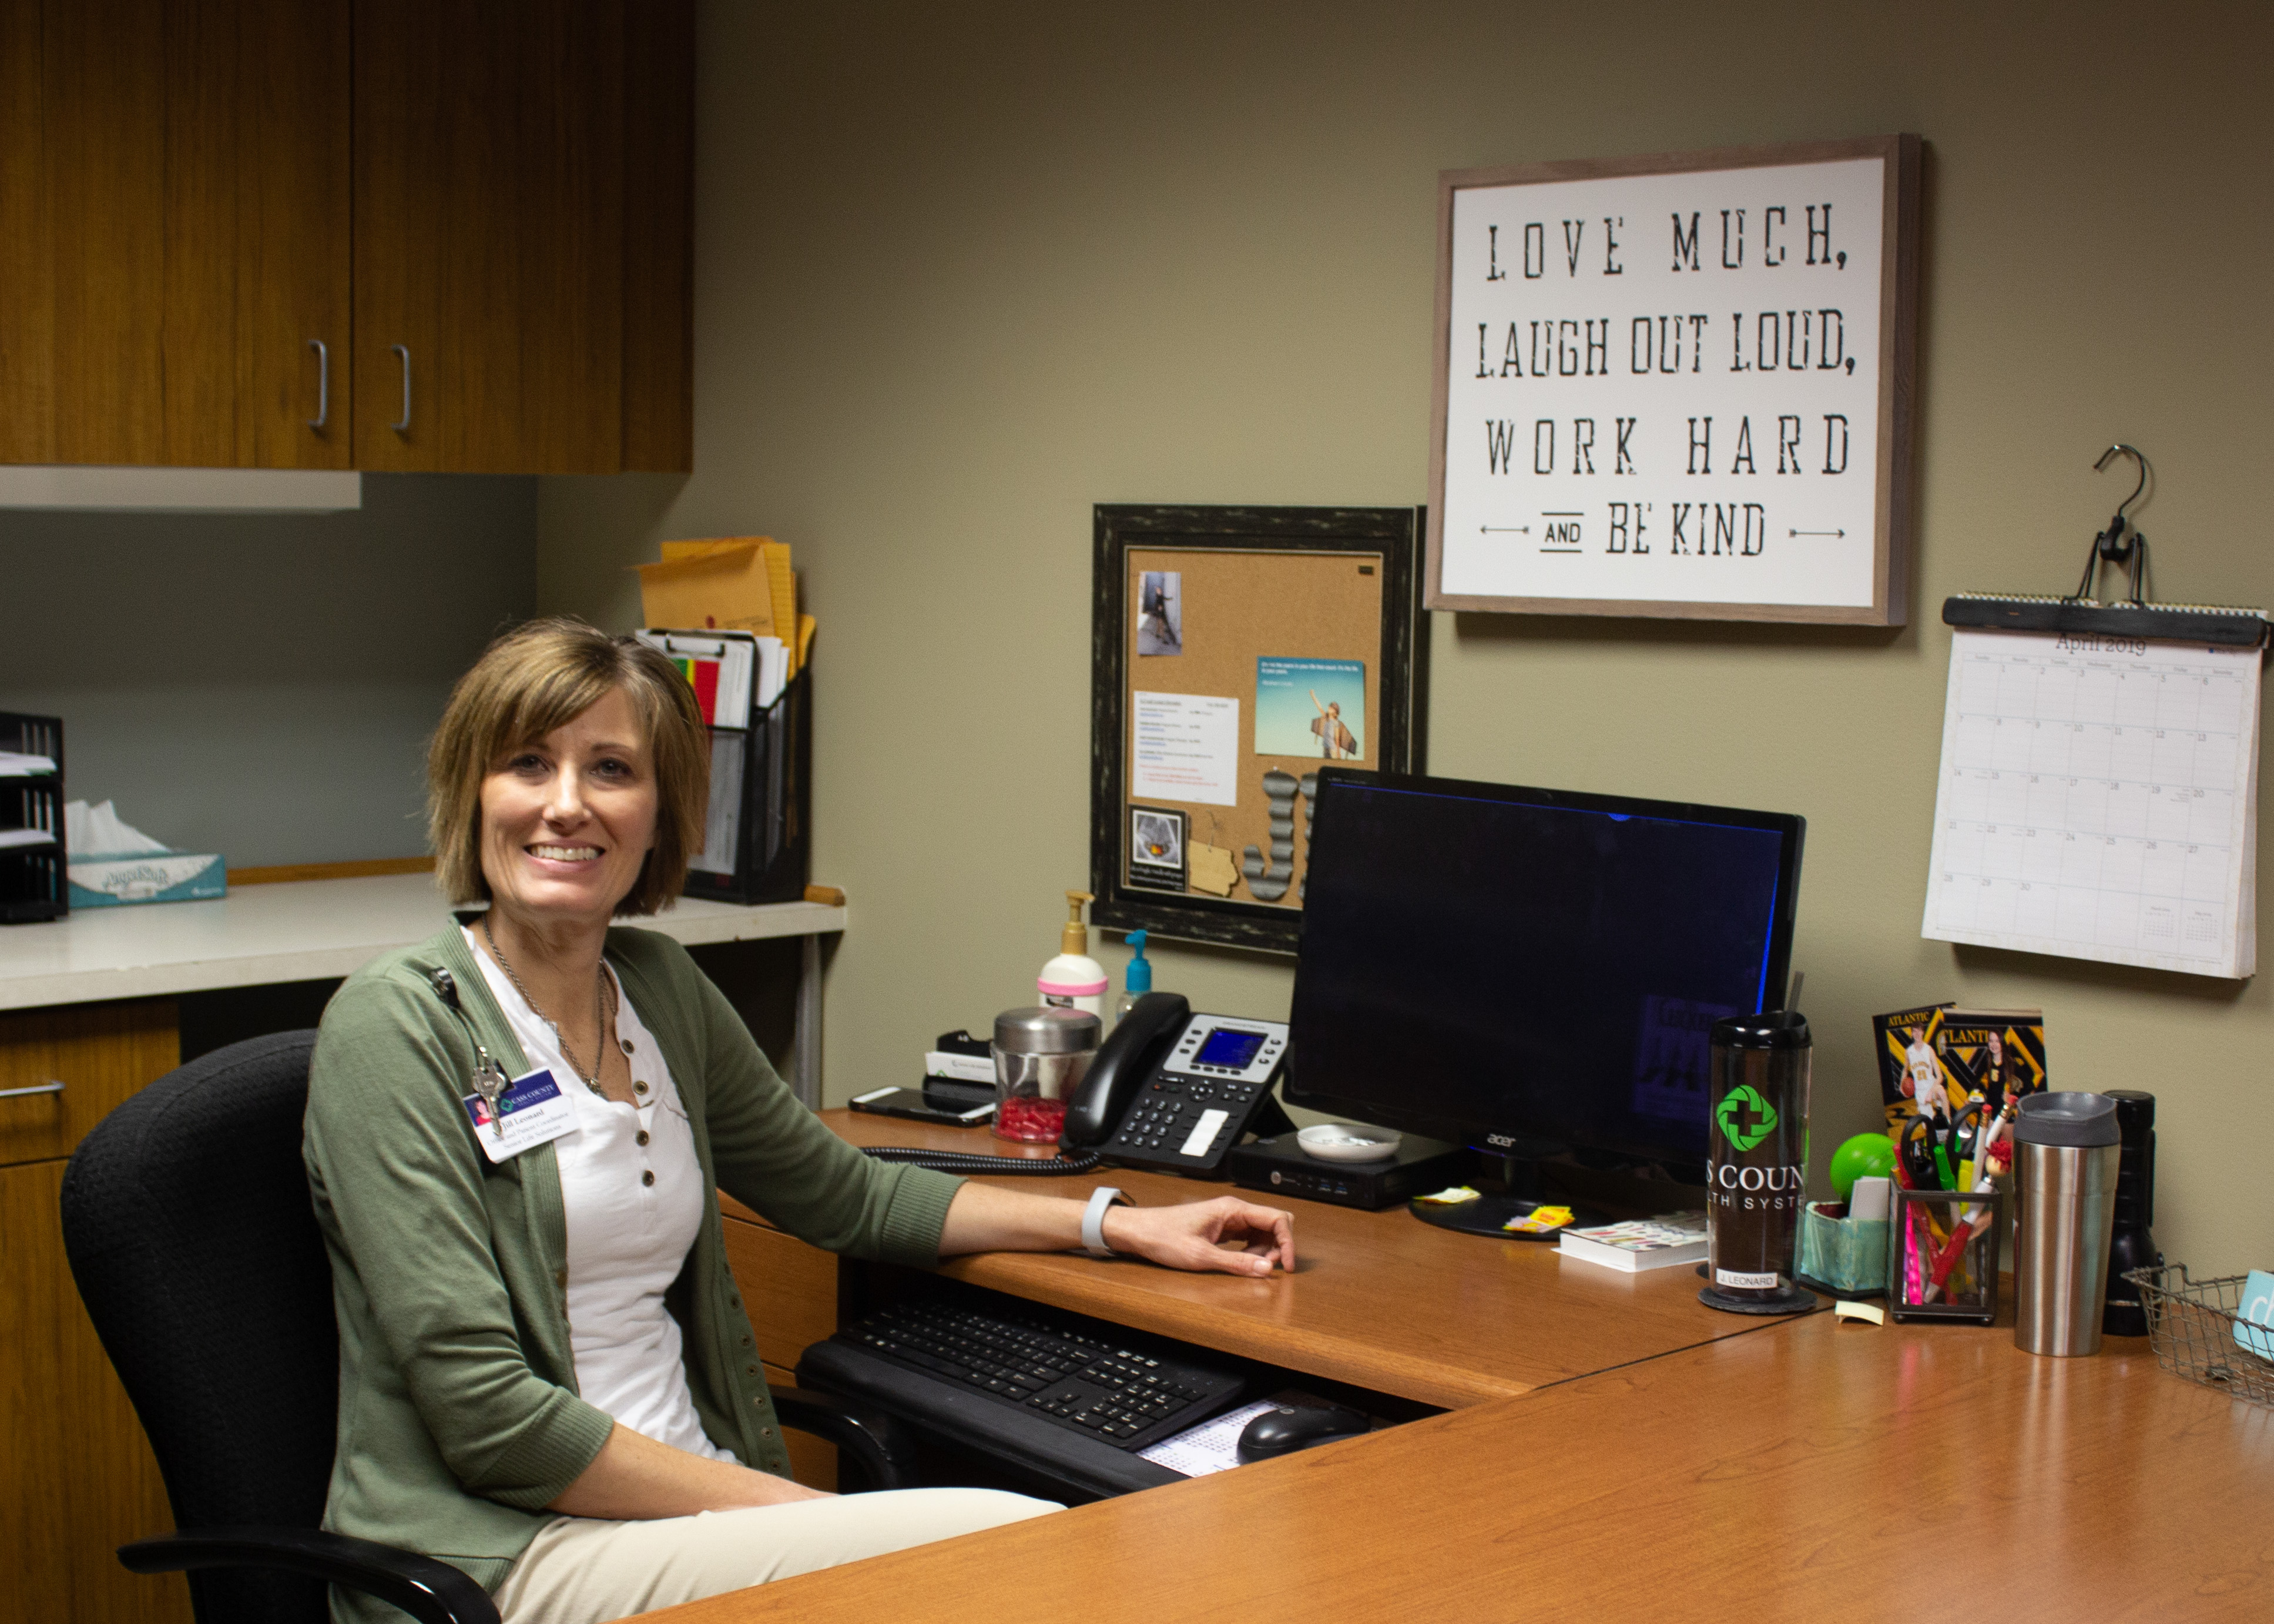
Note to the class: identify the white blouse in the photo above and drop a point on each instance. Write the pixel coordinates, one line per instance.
(633, 1193)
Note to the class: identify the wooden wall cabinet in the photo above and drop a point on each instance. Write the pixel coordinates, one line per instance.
(524, 219)
(174, 232)
(482, 213)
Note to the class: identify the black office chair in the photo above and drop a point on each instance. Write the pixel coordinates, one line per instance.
(186, 1216)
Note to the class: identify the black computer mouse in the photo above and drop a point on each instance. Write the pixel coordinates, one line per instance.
(1283, 1430)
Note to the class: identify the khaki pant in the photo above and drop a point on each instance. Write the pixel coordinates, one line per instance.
(583, 1570)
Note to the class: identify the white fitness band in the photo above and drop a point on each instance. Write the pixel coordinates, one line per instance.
(1092, 1219)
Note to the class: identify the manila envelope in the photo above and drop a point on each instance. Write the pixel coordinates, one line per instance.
(780, 582)
(725, 587)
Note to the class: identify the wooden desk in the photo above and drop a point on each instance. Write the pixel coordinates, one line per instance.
(1378, 1300)
(1814, 1473)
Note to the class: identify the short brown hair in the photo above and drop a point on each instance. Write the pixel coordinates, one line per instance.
(542, 675)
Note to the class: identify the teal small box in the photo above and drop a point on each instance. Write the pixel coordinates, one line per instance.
(2255, 1309)
(135, 877)
(1847, 1257)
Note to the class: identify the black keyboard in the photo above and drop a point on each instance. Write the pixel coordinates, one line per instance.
(1071, 1397)
(1103, 1384)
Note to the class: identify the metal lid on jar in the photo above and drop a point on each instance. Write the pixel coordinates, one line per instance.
(2067, 1118)
(1769, 1029)
(1046, 1030)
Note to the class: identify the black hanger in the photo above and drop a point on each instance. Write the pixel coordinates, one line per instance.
(2121, 544)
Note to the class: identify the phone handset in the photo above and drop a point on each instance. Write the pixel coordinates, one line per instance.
(1130, 1055)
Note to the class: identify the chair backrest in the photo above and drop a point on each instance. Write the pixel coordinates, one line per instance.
(187, 1220)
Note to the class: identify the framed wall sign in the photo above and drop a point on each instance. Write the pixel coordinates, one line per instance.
(1678, 385)
(1234, 651)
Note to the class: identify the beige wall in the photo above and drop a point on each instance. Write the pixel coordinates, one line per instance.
(964, 271)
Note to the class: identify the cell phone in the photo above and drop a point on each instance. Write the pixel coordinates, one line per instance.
(911, 1102)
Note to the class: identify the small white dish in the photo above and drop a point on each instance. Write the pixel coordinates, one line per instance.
(1343, 1141)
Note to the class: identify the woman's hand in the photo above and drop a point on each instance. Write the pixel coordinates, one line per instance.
(1226, 1235)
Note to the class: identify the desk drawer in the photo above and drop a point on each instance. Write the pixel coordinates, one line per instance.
(789, 1289)
(101, 1053)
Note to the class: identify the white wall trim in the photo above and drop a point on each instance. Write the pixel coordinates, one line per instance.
(180, 490)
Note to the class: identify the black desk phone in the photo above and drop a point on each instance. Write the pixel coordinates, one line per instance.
(1174, 1090)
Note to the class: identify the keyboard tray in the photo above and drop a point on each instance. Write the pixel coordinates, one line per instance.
(1070, 1398)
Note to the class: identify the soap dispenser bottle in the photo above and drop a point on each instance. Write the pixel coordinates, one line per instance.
(1137, 981)
(1073, 979)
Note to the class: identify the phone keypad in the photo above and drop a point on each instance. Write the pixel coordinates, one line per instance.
(1170, 1107)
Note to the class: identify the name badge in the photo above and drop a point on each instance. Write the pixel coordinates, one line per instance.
(530, 1110)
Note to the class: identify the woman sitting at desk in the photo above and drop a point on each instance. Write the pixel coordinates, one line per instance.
(547, 1374)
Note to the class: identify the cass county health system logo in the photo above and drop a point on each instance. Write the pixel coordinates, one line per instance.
(1746, 1097)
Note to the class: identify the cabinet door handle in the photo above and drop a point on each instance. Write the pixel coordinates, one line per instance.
(403, 351)
(323, 384)
(18, 1093)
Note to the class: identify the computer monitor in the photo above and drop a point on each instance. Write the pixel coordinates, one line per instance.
(1517, 969)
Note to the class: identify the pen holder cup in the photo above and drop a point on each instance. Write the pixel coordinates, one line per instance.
(1847, 1257)
(1942, 1255)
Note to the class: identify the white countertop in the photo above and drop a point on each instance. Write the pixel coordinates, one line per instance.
(294, 932)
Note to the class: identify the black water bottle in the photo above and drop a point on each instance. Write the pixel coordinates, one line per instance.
(2130, 1245)
(1756, 1161)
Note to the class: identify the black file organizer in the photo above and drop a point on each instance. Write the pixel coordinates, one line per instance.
(773, 846)
(33, 882)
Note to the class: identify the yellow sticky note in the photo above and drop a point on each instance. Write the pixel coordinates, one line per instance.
(1454, 1197)
(1539, 1221)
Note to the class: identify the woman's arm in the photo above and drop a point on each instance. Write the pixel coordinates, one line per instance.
(634, 1478)
(1225, 1234)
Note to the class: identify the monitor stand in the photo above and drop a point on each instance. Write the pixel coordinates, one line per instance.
(1514, 1184)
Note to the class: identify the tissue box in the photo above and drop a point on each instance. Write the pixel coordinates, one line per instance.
(100, 881)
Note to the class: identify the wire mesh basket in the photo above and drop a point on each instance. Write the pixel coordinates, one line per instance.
(2197, 1330)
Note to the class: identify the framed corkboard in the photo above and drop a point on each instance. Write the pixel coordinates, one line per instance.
(1235, 651)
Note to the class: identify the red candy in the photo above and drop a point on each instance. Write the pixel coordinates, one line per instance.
(1029, 1119)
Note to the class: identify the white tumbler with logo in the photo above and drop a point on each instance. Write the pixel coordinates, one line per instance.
(1756, 1161)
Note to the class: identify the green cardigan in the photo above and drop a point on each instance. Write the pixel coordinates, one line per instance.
(459, 1415)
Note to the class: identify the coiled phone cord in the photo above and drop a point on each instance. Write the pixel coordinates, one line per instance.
(1063, 1164)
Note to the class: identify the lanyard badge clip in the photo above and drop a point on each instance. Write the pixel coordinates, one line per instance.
(489, 1080)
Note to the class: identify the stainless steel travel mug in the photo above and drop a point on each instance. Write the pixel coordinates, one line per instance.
(2065, 1163)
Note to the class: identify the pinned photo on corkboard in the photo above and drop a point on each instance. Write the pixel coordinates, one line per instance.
(1160, 614)
(1298, 638)
(1310, 707)
(1156, 848)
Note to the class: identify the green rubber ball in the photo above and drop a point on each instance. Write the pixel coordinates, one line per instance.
(1866, 1156)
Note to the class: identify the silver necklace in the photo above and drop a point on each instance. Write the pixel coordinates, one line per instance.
(599, 1012)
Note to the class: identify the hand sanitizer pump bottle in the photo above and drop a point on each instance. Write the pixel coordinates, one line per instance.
(1137, 981)
(1073, 979)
